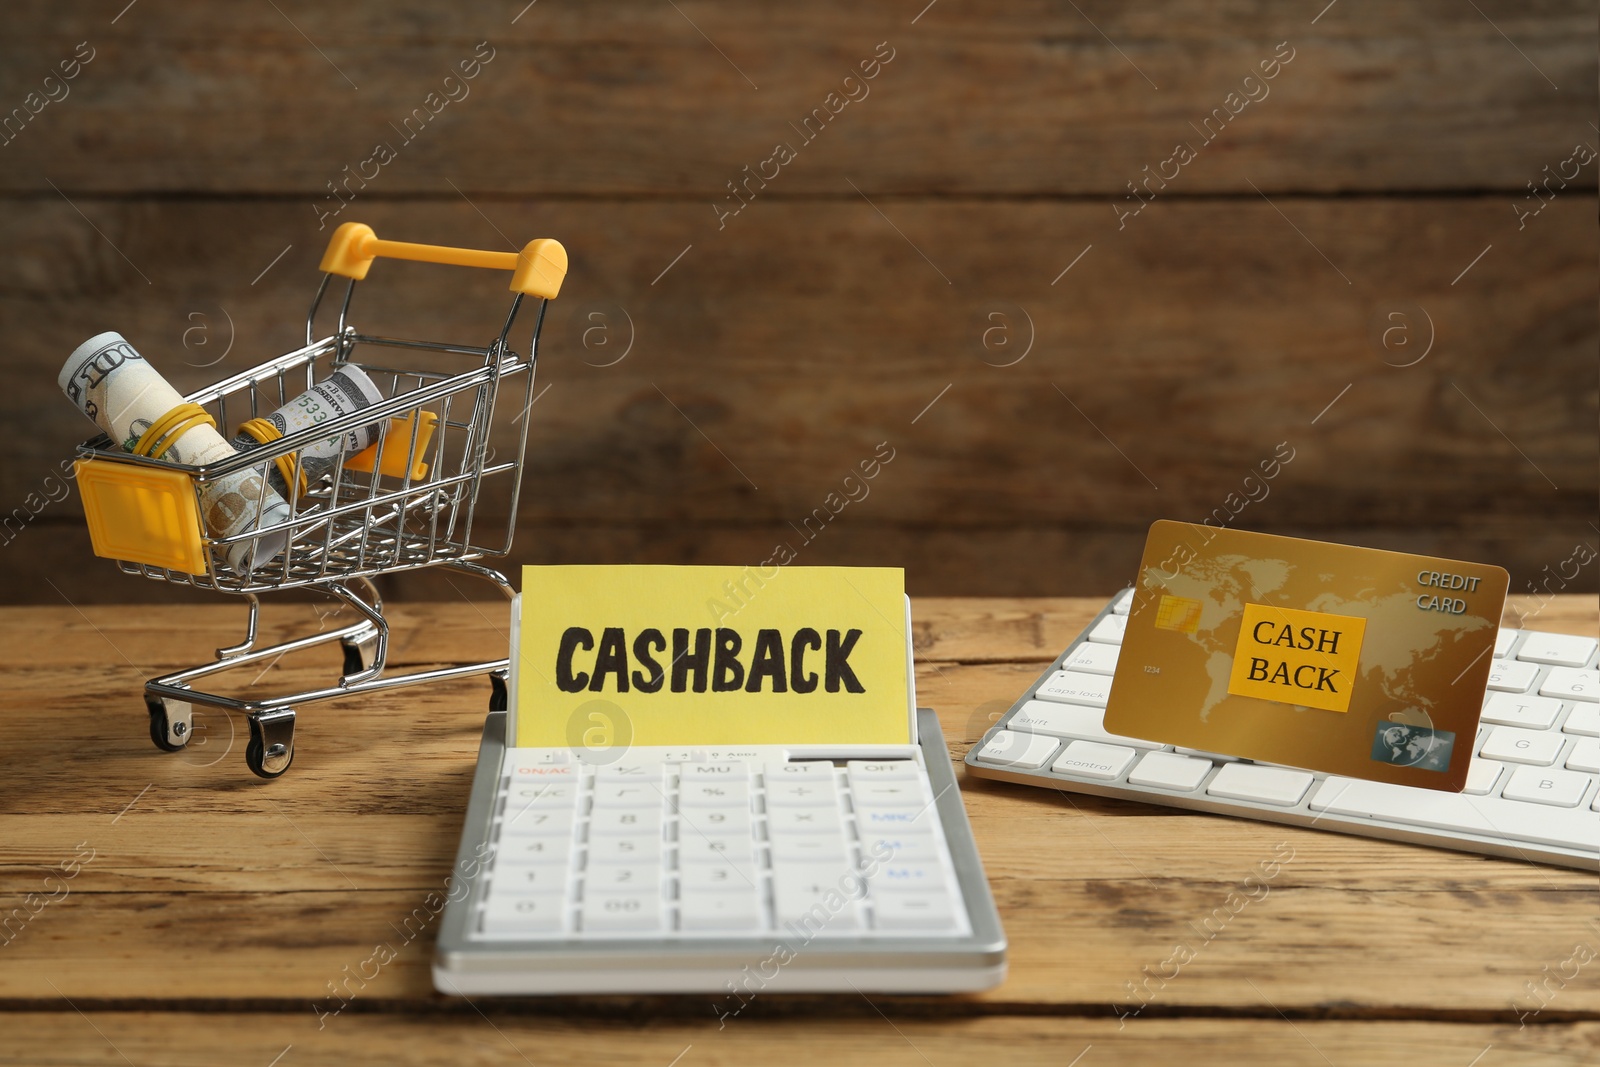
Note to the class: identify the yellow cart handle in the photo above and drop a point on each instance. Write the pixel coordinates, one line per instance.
(537, 270)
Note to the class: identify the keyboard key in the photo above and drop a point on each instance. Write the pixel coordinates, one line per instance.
(1123, 603)
(1073, 687)
(804, 821)
(1504, 640)
(914, 911)
(1214, 757)
(608, 912)
(907, 877)
(1169, 770)
(537, 822)
(861, 770)
(1070, 720)
(622, 878)
(1585, 755)
(534, 914)
(1512, 675)
(627, 794)
(714, 795)
(1482, 774)
(1568, 683)
(1007, 748)
(1542, 785)
(1489, 816)
(1090, 759)
(1515, 709)
(733, 910)
(1090, 658)
(628, 850)
(1515, 745)
(642, 824)
(1110, 630)
(1563, 650)
(1269, 785)
(1584, 719)
(805, 793)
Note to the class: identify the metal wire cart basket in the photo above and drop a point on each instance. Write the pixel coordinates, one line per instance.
(409, 499)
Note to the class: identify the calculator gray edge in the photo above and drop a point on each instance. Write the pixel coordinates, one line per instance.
(1299, 815)
(458, 955)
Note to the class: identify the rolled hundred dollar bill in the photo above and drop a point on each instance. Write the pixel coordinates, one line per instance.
(345, 390)
(113, 385)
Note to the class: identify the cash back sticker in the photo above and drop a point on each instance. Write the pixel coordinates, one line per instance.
(1354, 661)
(696, 656)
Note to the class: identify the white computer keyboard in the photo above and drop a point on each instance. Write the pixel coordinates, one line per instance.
(681, 845)
(1533, 787)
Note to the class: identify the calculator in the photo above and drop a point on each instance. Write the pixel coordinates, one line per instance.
(731, 871)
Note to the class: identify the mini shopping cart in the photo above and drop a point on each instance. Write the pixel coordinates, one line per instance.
(411, 499)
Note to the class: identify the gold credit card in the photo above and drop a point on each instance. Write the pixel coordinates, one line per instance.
(1354, 661)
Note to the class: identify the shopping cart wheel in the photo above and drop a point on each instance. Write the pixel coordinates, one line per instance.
(499, 697)
(271, 747)
(359, 653)
(171, 722)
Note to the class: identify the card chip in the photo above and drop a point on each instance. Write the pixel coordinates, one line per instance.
(1178, 613)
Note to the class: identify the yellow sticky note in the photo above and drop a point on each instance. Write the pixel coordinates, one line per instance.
(690, 656)
(1306, 658)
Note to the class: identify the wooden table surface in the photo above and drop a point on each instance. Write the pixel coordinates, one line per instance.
(209, 913)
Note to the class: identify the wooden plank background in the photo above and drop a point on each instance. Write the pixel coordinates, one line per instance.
(1363, 212)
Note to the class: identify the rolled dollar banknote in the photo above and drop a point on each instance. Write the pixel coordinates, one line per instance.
(113, 385)
(345, 390)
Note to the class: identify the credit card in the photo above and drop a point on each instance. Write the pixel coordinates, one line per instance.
(1354, 661)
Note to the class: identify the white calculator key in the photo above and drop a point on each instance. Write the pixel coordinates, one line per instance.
(537, 768)
(1070, 720)
(629, 772)
(627, 850)
(622, 878)
(1168, 770)
(900, 848)
(1007, 748)
(1512, 675)
(537, 822)
(1075, 687)
(1503, 641)
(1515, 745)
(914, 911)
(1123, 602)
(798, 769)
(715, 772)
(894, 793)
(1563, 650)
(1269, 785)
(1585, 755)
(1569, 683)
(718, 848)
(613, 795)
(1092, 658)
(803, 821)
(530, 879)
(622, 912)
(713, 822)
(860, 770)
(805, 793)
(1516, 709)
(1110, 630)
(713, 794)
(525, 914)
(698, 877)
(1090, 759)
(1482, 774)
(733, 910)
(1543, 785)
(907, 877)
(542, 794)
(525, 850)
(896, 821)
(808, 849)
(1584, 719)
(817, 901)
(643, 823)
